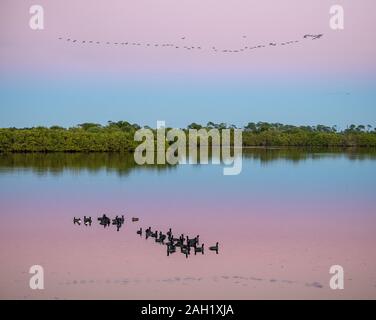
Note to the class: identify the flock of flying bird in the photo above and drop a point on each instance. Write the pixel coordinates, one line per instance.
(189, 47)
(184, 243)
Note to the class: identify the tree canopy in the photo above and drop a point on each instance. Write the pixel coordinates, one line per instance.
(119, 136)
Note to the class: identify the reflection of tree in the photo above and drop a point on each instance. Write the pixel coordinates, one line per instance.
(55, 163)
(302, 154)
(123, 163)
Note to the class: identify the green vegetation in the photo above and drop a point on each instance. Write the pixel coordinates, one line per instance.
(276, 134)
(119, 137)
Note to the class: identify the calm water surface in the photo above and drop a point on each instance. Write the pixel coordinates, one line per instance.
(281, 224)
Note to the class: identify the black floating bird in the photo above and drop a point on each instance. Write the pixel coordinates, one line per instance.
(162, 237)
(193, 242)
(87, 221)
(175, 239)
(178, 243)
(215, 248)
(185, 250)
(135, 219)
(104, 221)
(148, 233)
(139, 232)
(118, 222)
(170, 249)
(199, 249)
(77, 221)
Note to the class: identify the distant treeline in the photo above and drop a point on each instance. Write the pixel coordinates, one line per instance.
(119, 136)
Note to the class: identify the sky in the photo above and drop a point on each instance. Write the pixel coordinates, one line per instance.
(48, 81)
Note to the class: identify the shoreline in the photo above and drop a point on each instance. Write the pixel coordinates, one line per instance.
(244, 148)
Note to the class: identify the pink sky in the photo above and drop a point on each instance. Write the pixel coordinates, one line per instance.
(205, 23)
(329, 81)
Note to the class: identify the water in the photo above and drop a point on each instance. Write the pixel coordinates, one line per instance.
(281, 224)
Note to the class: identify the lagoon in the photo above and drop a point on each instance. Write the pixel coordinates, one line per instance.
(282, 223)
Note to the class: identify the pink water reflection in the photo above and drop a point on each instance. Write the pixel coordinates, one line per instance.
(280, 225)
